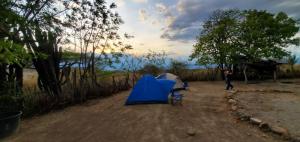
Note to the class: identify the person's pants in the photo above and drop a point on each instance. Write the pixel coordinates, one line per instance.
(229, 85)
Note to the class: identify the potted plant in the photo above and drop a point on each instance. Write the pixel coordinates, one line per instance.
(12, 59)
(10, 114)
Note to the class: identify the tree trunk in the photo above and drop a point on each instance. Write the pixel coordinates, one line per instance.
(221, 68)
(3, 76)
(47, 77)
(245, 73)
(275, 74)
(19, 77)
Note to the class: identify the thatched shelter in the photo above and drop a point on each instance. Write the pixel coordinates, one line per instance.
(262, 66)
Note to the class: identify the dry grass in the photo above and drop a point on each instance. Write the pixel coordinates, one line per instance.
(37, 102)
(73, 92)
(30, 78)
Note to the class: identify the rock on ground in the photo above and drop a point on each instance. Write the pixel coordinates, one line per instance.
(232, 101)
(279, 130)
(255, 121)
(191, 132)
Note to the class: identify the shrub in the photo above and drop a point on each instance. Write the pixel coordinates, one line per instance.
(9, 103)
(36, 102)
(178, 68)
(151, 69)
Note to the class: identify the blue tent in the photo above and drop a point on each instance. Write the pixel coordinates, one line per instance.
(150, 90)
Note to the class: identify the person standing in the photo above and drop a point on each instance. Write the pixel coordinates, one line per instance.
(228, 77)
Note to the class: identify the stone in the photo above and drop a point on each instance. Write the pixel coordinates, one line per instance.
(229, 96)
(235, 92)
(234, 108)
(240, 107)
(264, 126)
(191, 132)
(232, 101)
(235, 113)
(244, 117)
(279, 130)
(255, 121)
(264, 135)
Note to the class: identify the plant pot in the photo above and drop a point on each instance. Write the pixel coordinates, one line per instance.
(9, 123)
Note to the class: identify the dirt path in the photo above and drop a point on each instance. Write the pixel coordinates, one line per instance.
(277, 104)
(108, 120)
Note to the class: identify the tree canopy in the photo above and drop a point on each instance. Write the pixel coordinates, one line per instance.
(229, 34)
(44, 27)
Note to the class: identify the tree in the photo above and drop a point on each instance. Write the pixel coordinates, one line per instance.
(35, 26)
(131, 64)
(157, 59)
(217, 38)
(12, 56)
(265, 35)
(178, 67)
(43, 28)
(154, 62)
(228, 35)
(94, 30)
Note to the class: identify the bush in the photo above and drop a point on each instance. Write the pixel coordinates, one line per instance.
(9, 103)
(178, 68)
(35, 102)
(151, 69)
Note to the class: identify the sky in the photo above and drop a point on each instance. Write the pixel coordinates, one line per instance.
(172, 25)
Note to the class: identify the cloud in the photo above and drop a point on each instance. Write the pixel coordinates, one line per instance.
(140, 1)
(120, 3)
(187, 15)
(143, 16)
(161, 7)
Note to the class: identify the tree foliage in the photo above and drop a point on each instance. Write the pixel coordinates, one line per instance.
(265, 35)
(217, 38)
(43, 27)
(178, 67)
(253, 34)
(12, 53)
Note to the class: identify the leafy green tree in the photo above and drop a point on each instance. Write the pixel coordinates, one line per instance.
(265, 35)
(12, 56)
(43, 27)
(228, 35)
(217, 38)
(35, 26)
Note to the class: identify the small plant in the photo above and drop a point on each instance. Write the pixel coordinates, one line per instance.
(9, 103)
(151, 69)
(178, 67)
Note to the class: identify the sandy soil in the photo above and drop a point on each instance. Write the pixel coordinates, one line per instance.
(204, 112)
(275, 103)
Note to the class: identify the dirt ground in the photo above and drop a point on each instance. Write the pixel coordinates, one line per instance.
(204, 113)
(275, 103)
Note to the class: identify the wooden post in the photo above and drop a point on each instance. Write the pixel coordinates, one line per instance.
(275, 73)
(245, 73)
